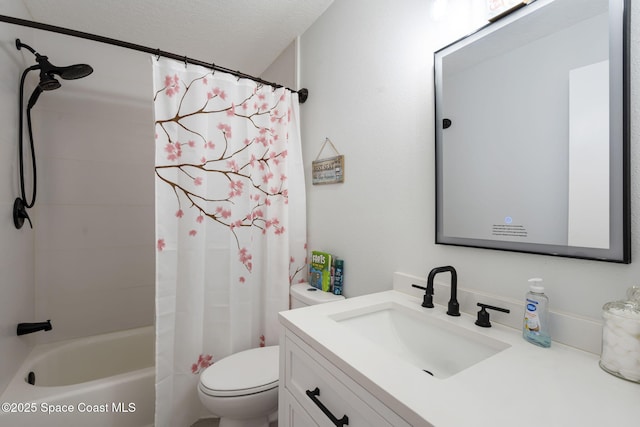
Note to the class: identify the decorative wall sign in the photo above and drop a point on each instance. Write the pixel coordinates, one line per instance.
(329, 170)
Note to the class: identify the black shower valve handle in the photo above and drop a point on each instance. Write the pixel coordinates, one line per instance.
(483, 314)
(20, 213)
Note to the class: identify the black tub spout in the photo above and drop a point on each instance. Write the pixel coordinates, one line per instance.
(28, 328)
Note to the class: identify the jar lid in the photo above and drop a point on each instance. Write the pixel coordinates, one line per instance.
(628, 308)
(633, 294)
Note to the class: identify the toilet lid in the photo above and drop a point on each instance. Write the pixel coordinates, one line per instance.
(247, 372)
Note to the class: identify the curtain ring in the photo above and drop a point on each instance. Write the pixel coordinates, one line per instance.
(157, 54)
(185, 61)
(238, 76)
(213, 68)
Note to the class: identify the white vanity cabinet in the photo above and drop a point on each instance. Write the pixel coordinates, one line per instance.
(367, 379)
(314, 392)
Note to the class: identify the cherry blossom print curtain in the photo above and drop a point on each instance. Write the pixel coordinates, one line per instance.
(230, 223)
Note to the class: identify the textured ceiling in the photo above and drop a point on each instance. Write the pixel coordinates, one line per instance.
(245, 35)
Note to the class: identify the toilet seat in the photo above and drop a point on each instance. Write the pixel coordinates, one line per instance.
(244, 373)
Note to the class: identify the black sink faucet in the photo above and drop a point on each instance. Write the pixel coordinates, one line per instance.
(453, 308)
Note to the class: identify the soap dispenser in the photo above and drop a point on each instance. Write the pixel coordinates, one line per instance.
(535, 328)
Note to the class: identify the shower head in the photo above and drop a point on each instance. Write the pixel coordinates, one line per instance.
(48, 82)
(73, 72)
(70, 72)
(48, 71)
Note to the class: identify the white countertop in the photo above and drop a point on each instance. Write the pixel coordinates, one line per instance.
(521, 386)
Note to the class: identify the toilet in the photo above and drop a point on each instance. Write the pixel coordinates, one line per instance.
(242, 389)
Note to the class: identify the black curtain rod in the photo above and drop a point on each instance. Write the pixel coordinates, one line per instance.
(303, 94)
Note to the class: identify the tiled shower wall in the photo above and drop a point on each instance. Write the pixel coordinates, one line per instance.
(94, 224)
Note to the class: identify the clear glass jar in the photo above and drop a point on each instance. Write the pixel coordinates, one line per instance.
(621, 337)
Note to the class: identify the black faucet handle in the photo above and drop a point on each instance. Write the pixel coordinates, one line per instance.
(427, 299)
(483, 314)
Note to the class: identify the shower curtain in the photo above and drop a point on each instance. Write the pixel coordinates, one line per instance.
(230, 223)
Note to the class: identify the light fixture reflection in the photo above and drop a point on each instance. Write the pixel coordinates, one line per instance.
(438, 9)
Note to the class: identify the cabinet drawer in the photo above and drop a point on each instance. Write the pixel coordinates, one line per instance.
(306, 375)
(294, 415)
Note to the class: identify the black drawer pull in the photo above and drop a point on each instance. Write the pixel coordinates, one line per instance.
(344, 421)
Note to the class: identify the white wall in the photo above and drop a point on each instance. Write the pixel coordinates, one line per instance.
(17, 248)
(368, 66)
(283, 70)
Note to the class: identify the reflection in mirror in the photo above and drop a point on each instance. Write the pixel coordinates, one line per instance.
(532, 133)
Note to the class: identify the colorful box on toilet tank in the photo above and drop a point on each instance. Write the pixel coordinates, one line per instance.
(320, 270)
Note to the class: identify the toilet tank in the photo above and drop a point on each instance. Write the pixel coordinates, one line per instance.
(303, 294)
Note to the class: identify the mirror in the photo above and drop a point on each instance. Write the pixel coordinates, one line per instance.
(532, 133)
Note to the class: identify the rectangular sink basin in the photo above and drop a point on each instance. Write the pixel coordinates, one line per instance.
(436, 346)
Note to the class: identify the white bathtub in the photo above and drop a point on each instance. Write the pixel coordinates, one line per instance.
(100, 381)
